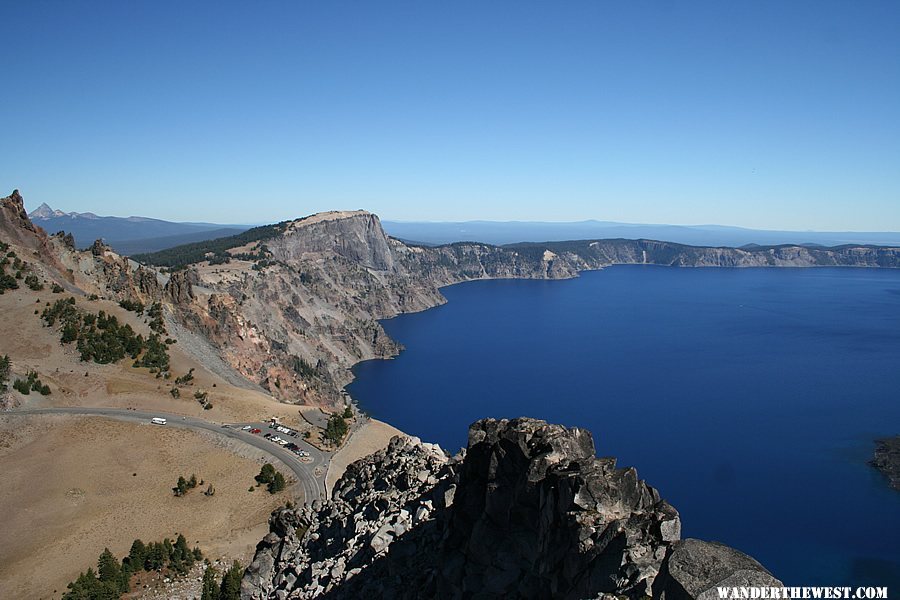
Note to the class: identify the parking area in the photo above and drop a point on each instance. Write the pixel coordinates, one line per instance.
(286, 437)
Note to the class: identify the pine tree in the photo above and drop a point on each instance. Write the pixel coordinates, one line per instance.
(210, 588)
(168, 548)
(107, 566)
(156, 557)
(86, 587)
(4, 371)
(182, 557)
(266, 474)
(277, 484)
(231, 583)
(110, 572)
(136, 556)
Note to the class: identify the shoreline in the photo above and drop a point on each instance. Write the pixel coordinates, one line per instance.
(351, 370)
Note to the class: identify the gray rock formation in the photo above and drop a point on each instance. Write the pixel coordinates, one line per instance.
(694, 569)
(147, 283)
(14, 207)
(67, 238)
(98, 248)
(887, 459)
(527, 511)
(179, 289)
(355, 236)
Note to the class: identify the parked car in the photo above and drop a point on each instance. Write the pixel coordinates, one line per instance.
(245, 428)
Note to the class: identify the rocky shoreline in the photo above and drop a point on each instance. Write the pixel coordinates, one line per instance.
(526, 511)
(887, 459)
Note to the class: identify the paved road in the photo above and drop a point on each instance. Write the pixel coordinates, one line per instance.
(313, 487)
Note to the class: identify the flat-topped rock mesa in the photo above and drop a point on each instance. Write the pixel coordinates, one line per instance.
(354, 235)
(527, 511)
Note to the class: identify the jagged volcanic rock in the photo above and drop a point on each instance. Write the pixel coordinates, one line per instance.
(147, 283)
(179, 289)
(527, 511)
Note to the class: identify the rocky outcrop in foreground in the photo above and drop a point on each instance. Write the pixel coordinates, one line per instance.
(887, 459)
(526, 511)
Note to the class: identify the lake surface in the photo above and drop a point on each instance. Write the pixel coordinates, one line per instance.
(749, 397)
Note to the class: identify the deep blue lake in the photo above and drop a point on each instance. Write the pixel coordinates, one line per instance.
(749, 397)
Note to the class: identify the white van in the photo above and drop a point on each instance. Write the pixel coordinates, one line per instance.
(158, 421)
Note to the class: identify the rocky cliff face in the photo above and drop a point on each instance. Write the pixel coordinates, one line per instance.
(299, 315)
(527, 511)
(356, 236)
(97, 270)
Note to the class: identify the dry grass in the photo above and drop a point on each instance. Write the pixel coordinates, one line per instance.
(68, 485)
(70, 490)
(77, 383)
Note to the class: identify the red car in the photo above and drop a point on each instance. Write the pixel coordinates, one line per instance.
(256, 431)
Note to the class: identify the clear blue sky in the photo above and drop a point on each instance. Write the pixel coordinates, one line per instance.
(756, 113)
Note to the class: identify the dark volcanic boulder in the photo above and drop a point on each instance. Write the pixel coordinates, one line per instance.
(694, 570)
(537, 515)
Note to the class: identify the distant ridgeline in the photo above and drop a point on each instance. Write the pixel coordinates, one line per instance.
(568, 256)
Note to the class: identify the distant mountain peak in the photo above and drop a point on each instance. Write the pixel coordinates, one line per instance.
(45, 212)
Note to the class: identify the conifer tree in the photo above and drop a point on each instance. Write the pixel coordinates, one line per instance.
(231, 583)
(210, 587)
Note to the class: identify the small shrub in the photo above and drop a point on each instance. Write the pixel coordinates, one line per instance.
(132, 306)
(32, 282)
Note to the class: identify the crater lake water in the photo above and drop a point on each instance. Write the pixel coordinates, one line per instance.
(750, 398)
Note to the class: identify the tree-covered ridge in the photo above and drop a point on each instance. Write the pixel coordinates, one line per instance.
(212, 250)
(102, 339)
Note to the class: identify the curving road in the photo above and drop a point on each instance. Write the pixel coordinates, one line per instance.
(313, 487)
